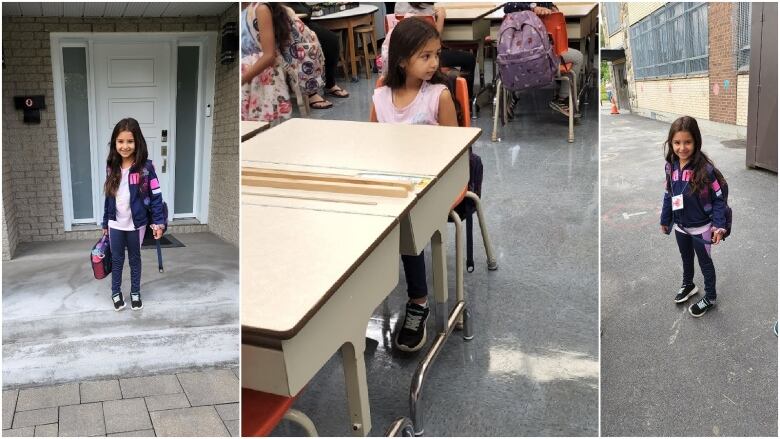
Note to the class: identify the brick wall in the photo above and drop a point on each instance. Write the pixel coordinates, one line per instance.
(30, 151)
(723, 74)
(689, 96)
(224, 196)
(638, 11)
(743, 83)
(616, 41)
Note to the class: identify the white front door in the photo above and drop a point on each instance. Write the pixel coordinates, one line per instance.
(134, 80)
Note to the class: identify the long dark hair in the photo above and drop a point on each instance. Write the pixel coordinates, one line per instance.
(409, 36)
(114, 161)
(281, 20)
(699, 160)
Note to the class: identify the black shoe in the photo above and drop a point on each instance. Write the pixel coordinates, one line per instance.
(119, 302)
(699, 308)
(135, 301)
(412, 336)
(685, 293)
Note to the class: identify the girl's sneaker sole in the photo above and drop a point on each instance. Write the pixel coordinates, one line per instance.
(685, 299)
(120, 308)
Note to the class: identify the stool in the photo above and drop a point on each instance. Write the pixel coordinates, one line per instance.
(342, 60)
(261, 412)
(365, 34)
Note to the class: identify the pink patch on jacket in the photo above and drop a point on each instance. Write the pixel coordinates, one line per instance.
(154, 184)
(134, 178)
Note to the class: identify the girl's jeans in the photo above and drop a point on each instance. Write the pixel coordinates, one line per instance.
(131, 240)
(688, 246)
(414, 269)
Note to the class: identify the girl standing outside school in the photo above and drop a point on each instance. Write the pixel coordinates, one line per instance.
(414, 93)
(695, 207)
(133, 198)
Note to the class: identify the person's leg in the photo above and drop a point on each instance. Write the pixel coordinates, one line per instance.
(330, 48)
(685, 244)
(466, 61)
(412, 335)
(118, 243)
(573, 56)
(706, 265)
(134, 241)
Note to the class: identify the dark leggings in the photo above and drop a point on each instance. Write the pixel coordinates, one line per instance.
(466, 61)
(688, 246)
(329, 41)
(130, 240)
(414, 269)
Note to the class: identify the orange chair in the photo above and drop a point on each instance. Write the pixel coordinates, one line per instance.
(556, 27)
(261, 412)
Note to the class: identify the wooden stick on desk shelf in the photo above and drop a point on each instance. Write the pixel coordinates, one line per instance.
(299, 197)
(325, 186)
(336, 178)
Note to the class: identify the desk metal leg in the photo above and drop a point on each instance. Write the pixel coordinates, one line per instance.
(481, 61)
(439, 257)
(357, 391)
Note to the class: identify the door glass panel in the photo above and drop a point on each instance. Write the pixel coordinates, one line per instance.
(74, 60)
(186, 123)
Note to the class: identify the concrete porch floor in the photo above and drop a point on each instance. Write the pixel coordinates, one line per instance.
(59, 324)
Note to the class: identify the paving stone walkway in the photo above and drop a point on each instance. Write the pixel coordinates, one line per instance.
(200, 403)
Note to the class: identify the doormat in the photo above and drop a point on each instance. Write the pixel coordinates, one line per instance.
(167, 241)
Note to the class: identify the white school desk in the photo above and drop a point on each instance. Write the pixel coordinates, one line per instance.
(250, 128)
(315, 265)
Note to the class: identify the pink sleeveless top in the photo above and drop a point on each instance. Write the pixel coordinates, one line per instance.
(423, 110)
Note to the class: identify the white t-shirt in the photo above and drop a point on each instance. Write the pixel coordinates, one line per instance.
(124, 217)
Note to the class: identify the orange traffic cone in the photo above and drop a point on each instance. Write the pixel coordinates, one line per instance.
(614, 107)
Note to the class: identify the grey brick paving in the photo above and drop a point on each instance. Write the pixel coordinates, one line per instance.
(9, 406)
(82, 420)
(35, 417)
(210, 387)
(195, 421)
(19, 432)
(48, 430)
(126, 415)
(51, 396)
(236, 371)
(232, 427)
(139, 433)
(167, 402)
(228, 412)
(149, 386)
(94, 391)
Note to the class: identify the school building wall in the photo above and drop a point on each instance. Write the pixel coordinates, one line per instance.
(677, 96)
(616, 41)
(743, 81)
(638, 11)
(32, 208)
(225, 169)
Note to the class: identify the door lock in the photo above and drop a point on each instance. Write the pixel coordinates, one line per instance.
(164, 136)
(164, 150)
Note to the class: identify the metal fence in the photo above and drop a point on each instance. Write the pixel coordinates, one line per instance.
(611, 12)
(742, 12)
(672, 41)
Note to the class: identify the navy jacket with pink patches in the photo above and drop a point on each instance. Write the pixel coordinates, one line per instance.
(699, 209)
(145, 197)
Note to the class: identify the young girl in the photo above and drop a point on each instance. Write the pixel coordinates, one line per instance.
(694, 206)
(133, 195)
(275, 45)
(414, 93)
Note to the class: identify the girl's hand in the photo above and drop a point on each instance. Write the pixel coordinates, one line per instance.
(157, 230)
(665, 230)
(717, 235)
(539, 10)
(440, 13)
(105, 232)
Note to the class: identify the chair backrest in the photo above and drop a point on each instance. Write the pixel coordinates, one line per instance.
(461, 95)
(556, 27)
(393, 19)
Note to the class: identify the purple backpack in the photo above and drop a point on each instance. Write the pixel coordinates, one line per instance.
(525, 53)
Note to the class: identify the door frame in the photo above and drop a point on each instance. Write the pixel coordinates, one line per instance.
(207, 41)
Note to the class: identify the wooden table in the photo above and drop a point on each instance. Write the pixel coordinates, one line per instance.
(349, 19)
(315, 264)
(251, 128)
(465, 23)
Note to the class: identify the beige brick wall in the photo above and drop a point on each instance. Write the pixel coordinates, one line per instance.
(688, 96)
(224, 196)
(616, 41)
(34, 205)
(743, 83)
(638, 11)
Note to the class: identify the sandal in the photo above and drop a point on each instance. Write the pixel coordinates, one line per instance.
(337, 91)
(320, 104)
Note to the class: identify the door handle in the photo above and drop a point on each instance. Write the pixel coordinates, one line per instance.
(165, 165)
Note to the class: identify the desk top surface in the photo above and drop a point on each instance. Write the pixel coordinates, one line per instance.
(360, 10)
(358, 147)
(468, 11)
(570, 10)
(249, 126)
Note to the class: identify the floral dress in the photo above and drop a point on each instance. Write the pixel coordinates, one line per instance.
(267, 96)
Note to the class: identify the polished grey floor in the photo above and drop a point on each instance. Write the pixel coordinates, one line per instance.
(532, 368)
(663, 372)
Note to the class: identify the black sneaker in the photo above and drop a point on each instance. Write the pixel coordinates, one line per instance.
(699, 308)
(412, 336)
(119, 302)
(685, 293)
(135, 301)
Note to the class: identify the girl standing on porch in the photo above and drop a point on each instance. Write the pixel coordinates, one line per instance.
(133, 198)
